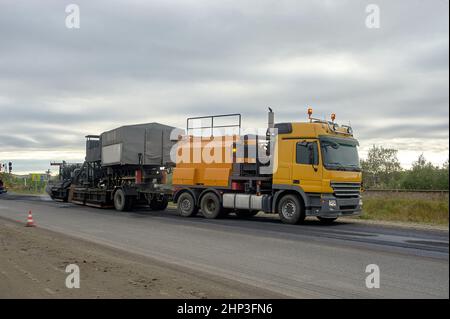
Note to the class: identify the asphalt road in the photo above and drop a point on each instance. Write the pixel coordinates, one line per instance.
(307, 261)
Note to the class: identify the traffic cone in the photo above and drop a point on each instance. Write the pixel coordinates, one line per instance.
(30, 221)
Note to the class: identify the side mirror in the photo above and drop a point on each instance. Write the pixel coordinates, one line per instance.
(311, 152)
(312, 156)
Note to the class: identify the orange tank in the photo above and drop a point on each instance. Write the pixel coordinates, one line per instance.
(209, 161)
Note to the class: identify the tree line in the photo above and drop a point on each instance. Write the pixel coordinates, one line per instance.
(382, 170)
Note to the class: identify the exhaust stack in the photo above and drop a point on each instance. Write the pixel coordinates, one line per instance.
(271, 119)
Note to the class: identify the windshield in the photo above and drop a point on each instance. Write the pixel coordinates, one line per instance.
(340, 154)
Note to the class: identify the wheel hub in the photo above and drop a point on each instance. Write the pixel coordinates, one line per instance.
(186, 205)
(288, 209)
(210, 205)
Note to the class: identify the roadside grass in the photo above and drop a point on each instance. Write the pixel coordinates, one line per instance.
(433, 212)
(420, 211)
(26, 191)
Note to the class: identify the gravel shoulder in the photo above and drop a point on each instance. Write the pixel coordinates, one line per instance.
(33, 262)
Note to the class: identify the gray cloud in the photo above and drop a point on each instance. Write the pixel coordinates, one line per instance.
(136, 61)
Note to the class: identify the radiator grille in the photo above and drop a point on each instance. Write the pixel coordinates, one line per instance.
(346, 190)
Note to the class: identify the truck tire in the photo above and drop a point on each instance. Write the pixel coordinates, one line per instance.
(326, 221)
(186, 205)
(246, 213)
(210, 206)
(159, 204)
(122, 203)
(290, 210)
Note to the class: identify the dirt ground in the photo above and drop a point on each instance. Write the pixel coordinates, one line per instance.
(33, 263)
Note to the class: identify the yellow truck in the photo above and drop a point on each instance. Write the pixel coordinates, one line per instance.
(295, 170)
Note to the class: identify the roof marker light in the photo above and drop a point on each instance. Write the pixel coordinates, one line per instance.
(333, 117)
(310, 112)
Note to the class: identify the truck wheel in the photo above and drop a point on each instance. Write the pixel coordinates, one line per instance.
(290, 210)
(186, 205)
(326, 221)
(210, 205)
(246, 213)
(121, 202)
(159, 204)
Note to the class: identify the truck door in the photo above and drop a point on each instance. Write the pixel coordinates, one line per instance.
(306, 168)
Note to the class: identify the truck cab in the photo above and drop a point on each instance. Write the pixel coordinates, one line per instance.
(318, 163)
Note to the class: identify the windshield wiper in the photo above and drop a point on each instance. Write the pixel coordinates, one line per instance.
(337, 165)
(342, 167)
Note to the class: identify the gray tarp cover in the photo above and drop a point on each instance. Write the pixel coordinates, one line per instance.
(152, 140)
(93, 150)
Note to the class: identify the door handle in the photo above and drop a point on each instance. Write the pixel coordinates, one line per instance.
(295, 181)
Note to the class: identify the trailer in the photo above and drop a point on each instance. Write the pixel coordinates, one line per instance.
(123, 167)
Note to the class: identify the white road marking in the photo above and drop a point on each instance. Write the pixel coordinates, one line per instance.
(51, 292)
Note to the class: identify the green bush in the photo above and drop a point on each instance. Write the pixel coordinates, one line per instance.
(382, 170)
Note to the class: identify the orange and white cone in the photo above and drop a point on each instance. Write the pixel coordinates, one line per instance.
(30, 221)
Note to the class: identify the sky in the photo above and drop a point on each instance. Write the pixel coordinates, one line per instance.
(136, 61)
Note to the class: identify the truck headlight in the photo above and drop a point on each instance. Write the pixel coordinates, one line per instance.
(332, 203)
(360, 202)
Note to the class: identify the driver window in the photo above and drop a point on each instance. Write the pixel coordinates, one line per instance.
(307, 153)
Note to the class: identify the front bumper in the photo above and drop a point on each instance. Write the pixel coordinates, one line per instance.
(343, 206)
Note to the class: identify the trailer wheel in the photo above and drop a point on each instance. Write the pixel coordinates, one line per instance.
(186, 205)
(159, 204)
(246, 213)
(290, 209)
(210, 206)
(121, 201)
(326, 221)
